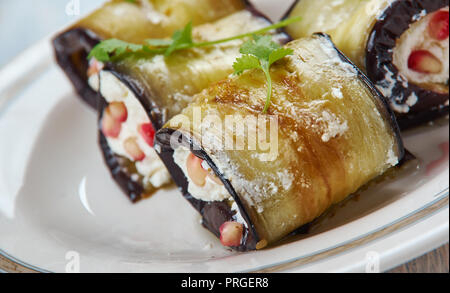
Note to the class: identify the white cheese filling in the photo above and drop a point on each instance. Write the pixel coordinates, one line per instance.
(94, 82)
(211, 191)
(151, 168)
(418, 38)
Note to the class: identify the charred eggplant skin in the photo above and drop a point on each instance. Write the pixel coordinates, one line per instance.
(379, 62)
(71, 49)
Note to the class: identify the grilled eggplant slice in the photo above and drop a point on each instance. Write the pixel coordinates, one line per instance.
(140, 93)
(131, 22)
(402, 45)
(333, 133)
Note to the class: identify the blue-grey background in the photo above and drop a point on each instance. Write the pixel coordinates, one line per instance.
(24, 22)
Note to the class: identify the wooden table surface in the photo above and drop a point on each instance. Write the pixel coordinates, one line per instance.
(433, 262)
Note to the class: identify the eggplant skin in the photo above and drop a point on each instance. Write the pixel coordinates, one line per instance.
(379, 62)
(131, 188)
(71, 49)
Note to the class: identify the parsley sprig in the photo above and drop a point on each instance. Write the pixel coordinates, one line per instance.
(261, 53)
(111, 49)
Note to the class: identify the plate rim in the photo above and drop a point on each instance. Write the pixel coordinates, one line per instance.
(9, 263)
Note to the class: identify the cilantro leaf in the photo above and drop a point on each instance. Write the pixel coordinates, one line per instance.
(279, 54)
(261, 47)
(158, 42)
(181, 39)
(103, 51)
(246, 62)
(261, 53)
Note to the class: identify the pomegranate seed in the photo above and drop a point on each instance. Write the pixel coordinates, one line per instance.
(148, 133)
(94, 67)
(438, 26)
(425, 62)
(231, 234)
(110, 127)
(195, 170)
(132, 148)
(118, 111)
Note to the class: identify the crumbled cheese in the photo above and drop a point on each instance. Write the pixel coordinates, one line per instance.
(412, 100)
(334, 126)
(151, 168)
(399, 108)
(286, 179)
(392, 159)
(211, 191)
(406, 107)
(336, 92)
(94, 82)
(387, 85)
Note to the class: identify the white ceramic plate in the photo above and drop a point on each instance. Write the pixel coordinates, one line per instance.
(58, 203)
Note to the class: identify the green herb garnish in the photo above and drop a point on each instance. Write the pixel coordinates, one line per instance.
(261, 53)
(181, 40)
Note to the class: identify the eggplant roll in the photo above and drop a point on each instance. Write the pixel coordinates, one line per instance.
(131, 22)
(140, 93)
(402, 45)
(332, 133)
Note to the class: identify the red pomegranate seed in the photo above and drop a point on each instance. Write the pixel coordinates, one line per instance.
(132, 148)
(424, 62)
(195, 170)
(231, 234)
(118, 111)
(148, 133)
(110, 126)
(438, 26)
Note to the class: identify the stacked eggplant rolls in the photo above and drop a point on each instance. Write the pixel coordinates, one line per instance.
(142, 91)
(260, 135)
(137, 93)
(402, 45)
(131, 21)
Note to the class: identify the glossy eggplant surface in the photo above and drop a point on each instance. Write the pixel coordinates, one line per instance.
(257, 177)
